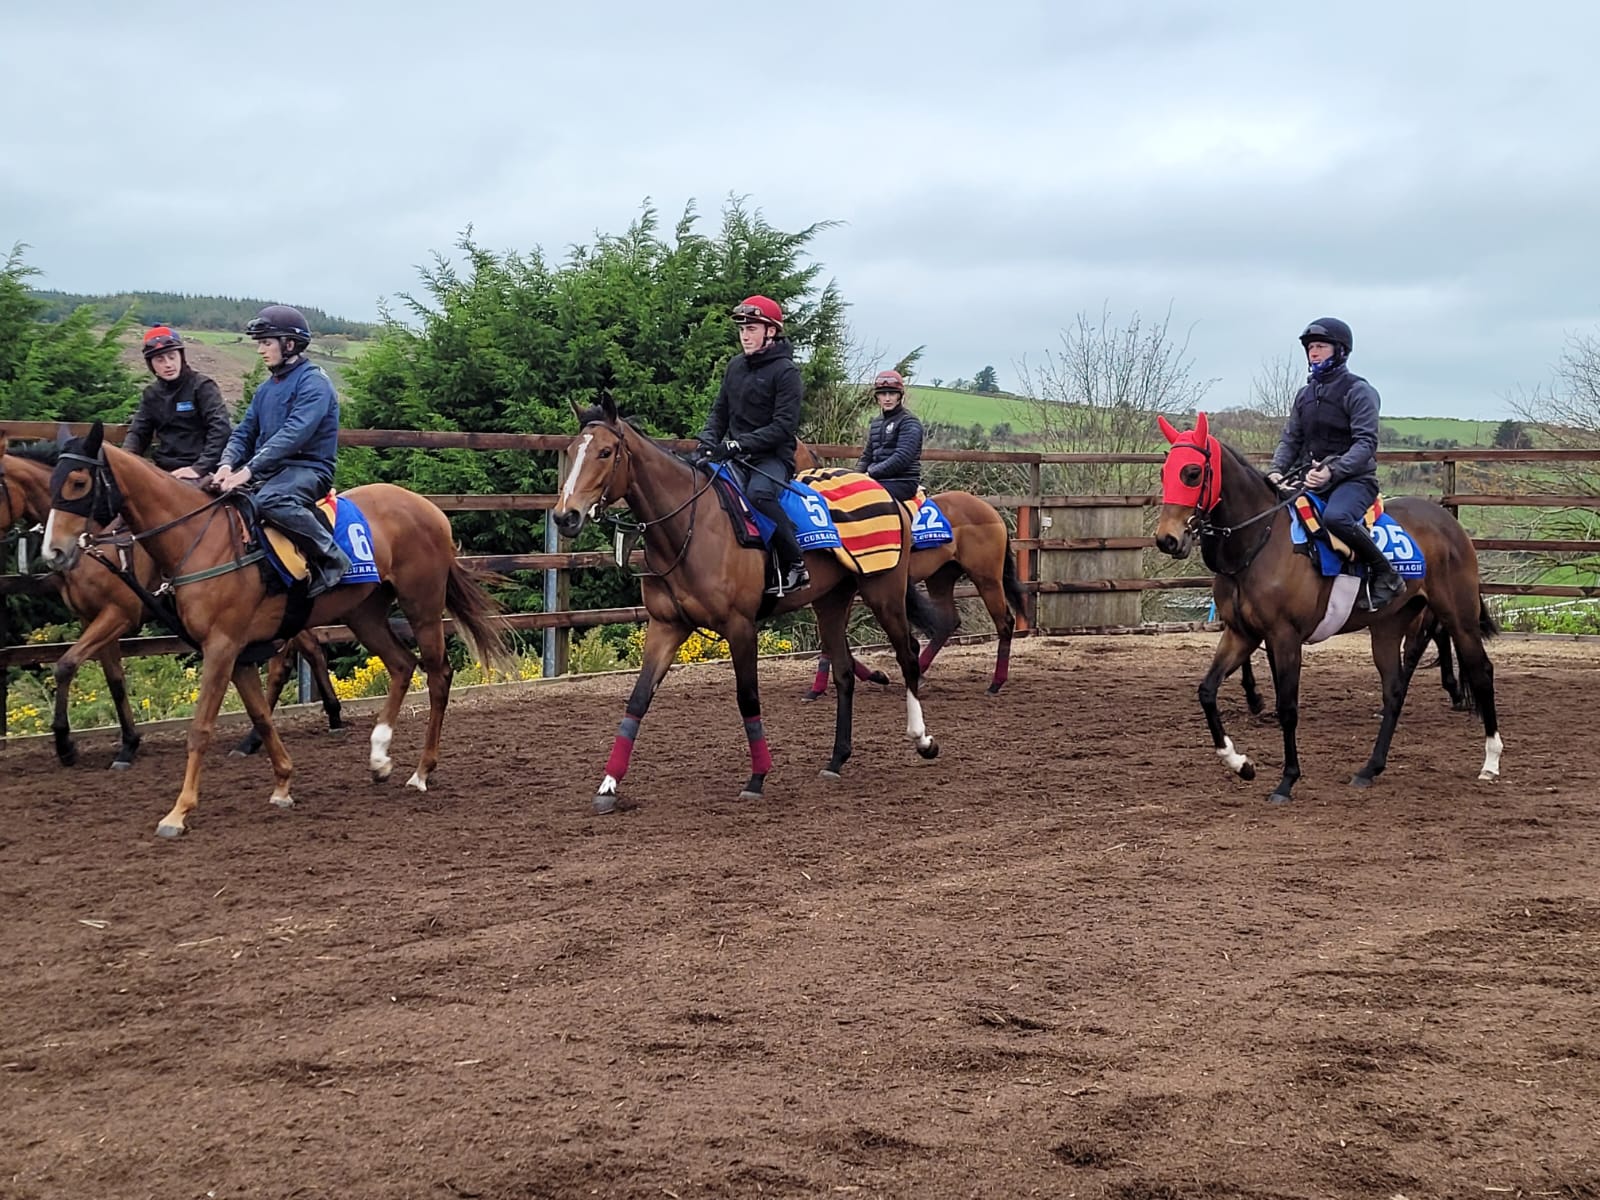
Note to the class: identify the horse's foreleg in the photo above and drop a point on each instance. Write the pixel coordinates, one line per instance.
(116, 683)
(896, 625)
(215, 668)
(1233, 650)
(247, 679)
(1396, 670)
(941, 595)
(101, 633)
(1252, 694)
(1285, 657)
(661, 642)
(1479, 672)
(742, 648)
(1447, 671)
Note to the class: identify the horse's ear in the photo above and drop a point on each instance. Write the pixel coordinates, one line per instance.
(5, 441)
(576, 411)
(95, 440)
(608, 405)
(1167, 429)
(1201, 429)
(63, 434)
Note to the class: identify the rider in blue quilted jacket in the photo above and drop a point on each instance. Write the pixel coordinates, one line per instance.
(893, 453)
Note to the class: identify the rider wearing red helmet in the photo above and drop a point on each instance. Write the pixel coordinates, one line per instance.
(756, 419)
(182, 418)
(893, 454)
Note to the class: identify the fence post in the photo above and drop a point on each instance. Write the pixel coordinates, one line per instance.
(1450, 487)
(557, 589)
(1028, 528)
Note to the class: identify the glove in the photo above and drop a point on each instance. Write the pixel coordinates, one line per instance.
(728, 449)
(702, 451)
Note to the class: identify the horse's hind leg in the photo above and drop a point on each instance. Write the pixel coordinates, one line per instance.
(1479, 672)
(1252, 694)
(247, 680)
(277, 676)
(832, 612)
(1460, 700)
(941, 594)
(436, 665)
(99, 635)
(370, 623)
(311, 650)
(1005, 624)
(893, 618)
(116, 683)
(661, 642)
(1396, 671)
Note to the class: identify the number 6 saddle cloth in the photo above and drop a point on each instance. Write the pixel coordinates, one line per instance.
(351, 533)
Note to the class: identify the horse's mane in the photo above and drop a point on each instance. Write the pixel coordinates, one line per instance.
(1240, 461)
(47, 453)
(594, 413)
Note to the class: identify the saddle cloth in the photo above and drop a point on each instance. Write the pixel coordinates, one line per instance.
(833, 509)
(1333, 556)
(351, 533)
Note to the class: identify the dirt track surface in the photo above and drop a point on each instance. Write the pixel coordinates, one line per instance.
(1070, 957)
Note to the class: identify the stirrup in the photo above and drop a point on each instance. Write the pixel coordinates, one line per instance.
(790, 579)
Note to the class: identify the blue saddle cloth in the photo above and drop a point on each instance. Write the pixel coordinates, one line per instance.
(931, 528)
(814, 528)
(1404, 555)
(351, 533)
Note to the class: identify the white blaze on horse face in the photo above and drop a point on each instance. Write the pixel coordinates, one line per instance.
(381, 762)
(1236, 761)
(48, 546)
(577, 465)
(1492, 748)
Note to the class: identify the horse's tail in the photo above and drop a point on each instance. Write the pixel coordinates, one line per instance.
(477, 617)
(1008, 580)
(1487, 625)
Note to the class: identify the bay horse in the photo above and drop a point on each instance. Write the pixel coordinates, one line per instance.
(222, 599)
(697, 575)
(1266, 592)
(110, 611)
(980, 550)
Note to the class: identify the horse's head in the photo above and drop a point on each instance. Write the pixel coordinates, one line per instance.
(601, 467)
(82, 490)
(1191, 484)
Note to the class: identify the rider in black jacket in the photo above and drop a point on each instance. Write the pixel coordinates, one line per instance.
(893, 454)
(1332, 432)
(182, 419)
(756, 418)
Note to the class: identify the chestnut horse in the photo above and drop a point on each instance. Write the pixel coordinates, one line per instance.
(109, 611)
(697, 575)
(980, 550)
(223, 603)
(1265, 592)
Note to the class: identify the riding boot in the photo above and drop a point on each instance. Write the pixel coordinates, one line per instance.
(792, 571)
(1384, 584)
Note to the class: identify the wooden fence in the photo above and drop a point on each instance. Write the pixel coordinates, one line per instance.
(1074, 552)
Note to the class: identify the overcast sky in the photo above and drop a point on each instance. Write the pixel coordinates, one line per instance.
(1427, 171)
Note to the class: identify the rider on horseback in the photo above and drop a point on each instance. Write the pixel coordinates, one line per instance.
(287, 442)
(1334, 426)
(756, 417)
(182, 418)
(893, 454)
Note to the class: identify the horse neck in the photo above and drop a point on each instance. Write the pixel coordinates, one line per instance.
(659, 482)
(150, 499)
(1245, 495)
(32, 482)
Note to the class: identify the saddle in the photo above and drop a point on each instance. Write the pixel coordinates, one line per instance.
(1310, 515)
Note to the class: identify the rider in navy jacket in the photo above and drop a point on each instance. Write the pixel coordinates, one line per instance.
(287, 441)
(1332, 433)
(893, 453)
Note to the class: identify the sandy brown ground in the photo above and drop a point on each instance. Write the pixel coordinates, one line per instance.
(1070, 957)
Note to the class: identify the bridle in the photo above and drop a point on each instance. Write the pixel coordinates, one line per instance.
(628, 530)
(1211, 535)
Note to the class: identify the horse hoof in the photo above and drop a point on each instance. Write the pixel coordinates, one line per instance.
(1248, 772)
(747, 794)
(169, 831)
(931, 750)
(282, 801)
(879, 678)
(418, 782)
(1488, 776)
(1361, 782)
(1279, 798)
(605, 802)
(381, 774)
(811, 696)
(828, 774)
(69, 759)
(993, 689)
(121, 764)
(236, 752)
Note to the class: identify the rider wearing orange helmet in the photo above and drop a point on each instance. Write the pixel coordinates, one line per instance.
(756, 419)
(893, 453)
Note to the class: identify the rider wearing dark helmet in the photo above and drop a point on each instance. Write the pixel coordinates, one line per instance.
(756, 418)
(1332, 432)
(893, 453)
(287, 441)
(182, 418)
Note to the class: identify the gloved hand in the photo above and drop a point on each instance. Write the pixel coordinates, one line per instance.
(702, 451)
(1276, 479)
(728, 449)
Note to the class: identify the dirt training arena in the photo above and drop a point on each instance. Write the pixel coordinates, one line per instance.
(1071, 956)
